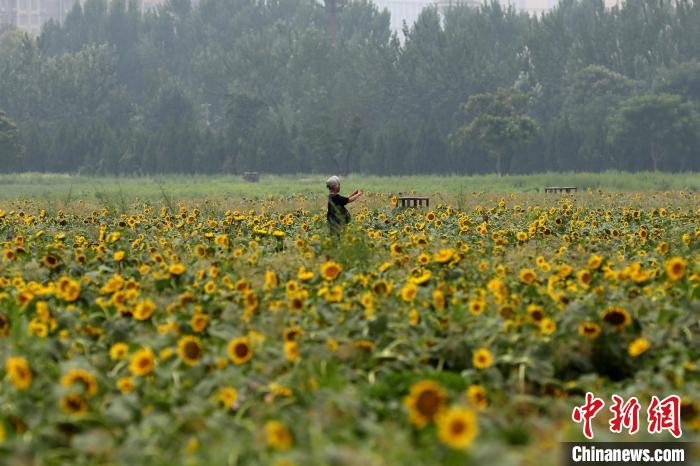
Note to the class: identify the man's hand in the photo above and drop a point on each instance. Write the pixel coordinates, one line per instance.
(355, 194)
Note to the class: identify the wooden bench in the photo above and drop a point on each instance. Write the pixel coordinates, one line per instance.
(412, 201)
(251, 177)
(559, 189)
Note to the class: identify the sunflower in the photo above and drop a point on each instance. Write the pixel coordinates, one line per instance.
(142, 362)
(675, 268)
(381, 288)
(330, 270)
(291, 350)
(50, 261)
(589, 330)
(176, 269)
(222, 241)
(200, 250)
(19, 372)
(4, 326)
(334, 294)
(210, 287)
(420, 277)
(278, 436)
(68, 289)
(439, 300)
(296, 301)
(564, 270)
(584, 278)
(477, 396)
(595, 261)
(250, 300)
(527, 276)
(291, 287)
(304, 275)
(271, 280)
(189, 348)
(617, 317)
(239, 350)
(482, 358)
(444, 256)
(548, 326)
(477, 306)
(638, 346)
(408, 292)
(199, 322)
(125, 384)
(506, 311)
(535, 312)
(292, 333)
(73, 404)
(457, 427)
(38, 328)
(227, 396)
(144, 310)
(424, 402)
(83, 378)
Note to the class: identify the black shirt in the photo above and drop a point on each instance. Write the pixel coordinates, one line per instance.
(337, 213)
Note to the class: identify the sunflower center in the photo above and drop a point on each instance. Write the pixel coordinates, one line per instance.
(192, 350)
(74, 404)
(241, 350)
(615, 318)
(457, 427)
(428, 403)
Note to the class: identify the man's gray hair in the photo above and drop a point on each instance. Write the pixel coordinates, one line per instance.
(333, 182)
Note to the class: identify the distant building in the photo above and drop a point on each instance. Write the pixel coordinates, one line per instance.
(407, 11)
(30, 15)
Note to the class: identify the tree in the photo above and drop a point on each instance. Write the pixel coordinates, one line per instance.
(683, 80)
(498, 124)
(593, 94)
(11, 148)
(658, 125)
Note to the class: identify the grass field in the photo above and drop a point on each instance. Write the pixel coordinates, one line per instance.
(65, 188)
(206, 321)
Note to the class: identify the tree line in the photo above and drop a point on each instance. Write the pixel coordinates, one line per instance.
(296, 86)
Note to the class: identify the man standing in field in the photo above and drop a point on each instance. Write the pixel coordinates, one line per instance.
(338, 215)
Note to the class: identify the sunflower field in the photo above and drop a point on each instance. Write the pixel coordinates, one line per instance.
(210, 332)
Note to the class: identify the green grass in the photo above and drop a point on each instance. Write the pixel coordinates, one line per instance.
(61, 188)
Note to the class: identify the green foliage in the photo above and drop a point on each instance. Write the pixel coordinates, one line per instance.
(300, 87)
(11, 148)
(660, 125)
(498, 124)
(454, 190)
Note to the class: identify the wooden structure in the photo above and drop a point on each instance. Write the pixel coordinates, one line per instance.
(559, 189)
(252, 177)
(412, 201)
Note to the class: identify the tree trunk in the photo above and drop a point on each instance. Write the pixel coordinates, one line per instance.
(498, 165)
(656, 154)
(332, 9)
